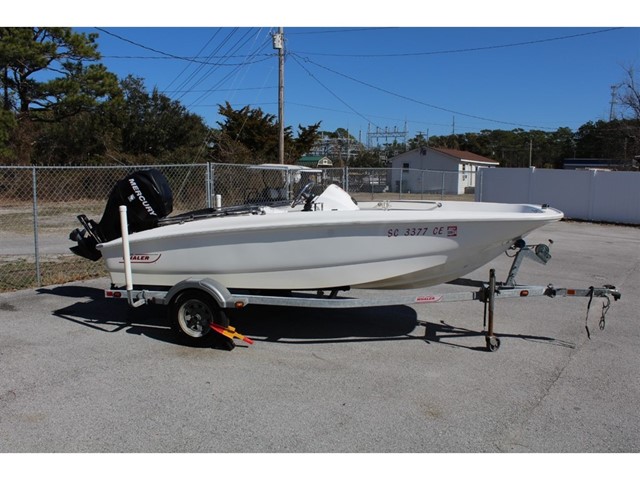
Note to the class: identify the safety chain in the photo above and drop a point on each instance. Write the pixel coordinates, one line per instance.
(605, 309)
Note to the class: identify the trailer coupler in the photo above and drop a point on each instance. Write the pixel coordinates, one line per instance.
(606, 292)
(605, 307)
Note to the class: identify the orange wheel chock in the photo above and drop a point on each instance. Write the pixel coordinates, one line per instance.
(230, 332)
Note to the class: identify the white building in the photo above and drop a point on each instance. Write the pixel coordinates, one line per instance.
(437, 170)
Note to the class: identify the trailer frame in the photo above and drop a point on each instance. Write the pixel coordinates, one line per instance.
(198, 305)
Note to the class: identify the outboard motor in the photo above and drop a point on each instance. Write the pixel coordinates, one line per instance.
(148, 198)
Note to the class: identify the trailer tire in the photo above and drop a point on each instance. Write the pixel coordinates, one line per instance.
(493, 344)
(190, 314)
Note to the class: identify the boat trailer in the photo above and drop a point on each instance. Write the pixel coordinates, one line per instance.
(198, 306)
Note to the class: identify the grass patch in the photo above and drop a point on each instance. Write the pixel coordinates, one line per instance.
(21, 274)
(18, 219)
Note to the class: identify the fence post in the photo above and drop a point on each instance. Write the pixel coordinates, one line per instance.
(208, 185)
(531, 186)
(34, 177)
(346, 178)
(592, 193)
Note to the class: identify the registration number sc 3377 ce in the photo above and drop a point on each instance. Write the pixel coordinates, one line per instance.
(433, 231)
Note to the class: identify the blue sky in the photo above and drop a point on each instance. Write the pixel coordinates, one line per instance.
(360, 72)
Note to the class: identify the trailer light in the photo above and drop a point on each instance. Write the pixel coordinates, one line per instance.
(571, 292)
(239, 304)
(524, 293)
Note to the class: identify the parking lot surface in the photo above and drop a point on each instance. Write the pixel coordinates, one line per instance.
(80, 373)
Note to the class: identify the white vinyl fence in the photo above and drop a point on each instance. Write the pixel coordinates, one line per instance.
(591, 195)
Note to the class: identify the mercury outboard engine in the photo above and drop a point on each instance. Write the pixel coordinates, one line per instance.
(148, 198)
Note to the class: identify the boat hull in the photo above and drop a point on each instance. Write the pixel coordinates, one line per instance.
(413, 244)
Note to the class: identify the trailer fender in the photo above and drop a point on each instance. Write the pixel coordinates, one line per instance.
(216, 290)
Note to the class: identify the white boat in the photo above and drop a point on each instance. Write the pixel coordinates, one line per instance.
(321, 242)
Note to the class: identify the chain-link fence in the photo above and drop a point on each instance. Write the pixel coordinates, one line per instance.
(396, 183)
(39, 205)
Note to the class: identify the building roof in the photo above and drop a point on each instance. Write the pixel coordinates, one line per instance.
(577, 163)
(466, 156)
(459, 155)
(315, 160)
(311, 158)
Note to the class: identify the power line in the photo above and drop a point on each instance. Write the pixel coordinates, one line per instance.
(318, 107)
(341, 30)
(219, 89)
(204, 69)
(195, 58)
(201, 73)
(461, 50)
(220, 82)
(295, 58)
(413, 100)
(201, 68)
(170, 56)
(201, 50)
(207, 67)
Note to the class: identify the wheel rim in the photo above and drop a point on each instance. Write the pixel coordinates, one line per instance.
(194, 317)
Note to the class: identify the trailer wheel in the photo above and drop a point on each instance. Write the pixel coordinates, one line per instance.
(493, 344)
(190, 315)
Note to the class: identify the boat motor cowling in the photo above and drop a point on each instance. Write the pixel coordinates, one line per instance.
(148, 198)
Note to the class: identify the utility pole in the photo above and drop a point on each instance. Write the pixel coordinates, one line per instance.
(424, 138)
(278, 44)
(613, 102)
(530, 150)
(348, 146)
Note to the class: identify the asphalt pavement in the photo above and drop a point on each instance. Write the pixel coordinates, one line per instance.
(80, 373)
